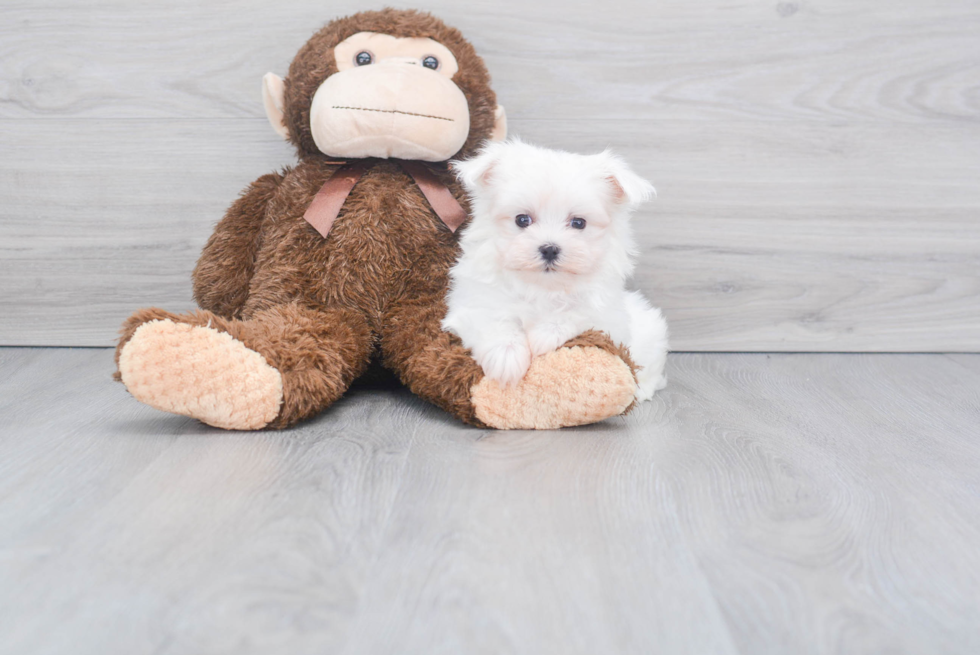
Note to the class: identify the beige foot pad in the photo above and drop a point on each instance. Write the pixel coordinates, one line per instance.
(200, 372)
(570, 386)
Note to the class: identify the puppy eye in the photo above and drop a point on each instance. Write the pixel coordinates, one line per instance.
(363, 58)
(577, 223)
(430, 62)
(523, 220)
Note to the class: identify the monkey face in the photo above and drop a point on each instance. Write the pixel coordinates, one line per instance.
(390, 97)
(420, 92)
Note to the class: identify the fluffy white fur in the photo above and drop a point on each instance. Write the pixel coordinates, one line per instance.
(508, 303)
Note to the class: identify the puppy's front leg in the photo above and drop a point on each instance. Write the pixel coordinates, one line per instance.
(548, 336)
(498, 345)
(505, 357)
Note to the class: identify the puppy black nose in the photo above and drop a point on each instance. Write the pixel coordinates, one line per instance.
(549, 252)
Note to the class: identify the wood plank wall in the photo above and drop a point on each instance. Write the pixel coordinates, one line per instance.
(818, 161)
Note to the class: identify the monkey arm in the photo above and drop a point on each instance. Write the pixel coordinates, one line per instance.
(224, 270)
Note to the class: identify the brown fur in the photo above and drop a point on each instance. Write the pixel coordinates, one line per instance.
(315, 62)
(320, 309)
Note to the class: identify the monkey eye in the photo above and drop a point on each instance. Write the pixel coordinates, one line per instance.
(363, 58)
(577, 223)
(523, 220)
(430, 62)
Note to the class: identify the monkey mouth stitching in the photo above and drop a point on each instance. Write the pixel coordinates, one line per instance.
(395, 111)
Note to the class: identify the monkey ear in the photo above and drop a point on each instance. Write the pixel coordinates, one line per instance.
(627, 188)
(499, 124)
(273, 91)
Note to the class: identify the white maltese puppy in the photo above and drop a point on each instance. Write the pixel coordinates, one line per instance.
(546, 257)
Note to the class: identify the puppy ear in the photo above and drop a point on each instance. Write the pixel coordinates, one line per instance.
(475, 173)
(499, 124)
(626, 187)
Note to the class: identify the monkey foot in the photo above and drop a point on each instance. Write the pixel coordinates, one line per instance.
(569, 386)
(200, 372)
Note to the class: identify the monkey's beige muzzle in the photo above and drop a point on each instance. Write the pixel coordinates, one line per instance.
(393, 109)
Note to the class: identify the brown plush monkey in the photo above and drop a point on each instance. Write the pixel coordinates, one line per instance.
(292, 313)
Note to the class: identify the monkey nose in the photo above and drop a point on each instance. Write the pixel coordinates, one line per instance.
(549, 252)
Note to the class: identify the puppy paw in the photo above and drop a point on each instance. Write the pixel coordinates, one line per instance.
(647, 387)
(650, 378)
(546, 337)
(506, 363)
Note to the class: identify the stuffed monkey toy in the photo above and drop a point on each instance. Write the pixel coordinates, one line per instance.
(343, 259)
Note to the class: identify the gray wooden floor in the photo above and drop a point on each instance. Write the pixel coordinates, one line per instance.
(762, 504)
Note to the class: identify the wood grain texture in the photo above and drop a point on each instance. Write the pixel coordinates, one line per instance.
(850, 478)
(816, 161)
(760, 504)
(143, 531)
(909, 60)
(806, 240)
